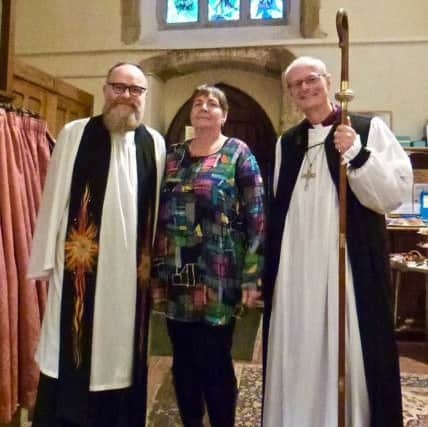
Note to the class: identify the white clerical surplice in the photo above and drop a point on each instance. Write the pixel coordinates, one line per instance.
(301, 381)
(114, 313)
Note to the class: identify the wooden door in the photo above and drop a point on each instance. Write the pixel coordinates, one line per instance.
(54, 100)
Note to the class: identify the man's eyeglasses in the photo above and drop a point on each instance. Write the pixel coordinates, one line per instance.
(120, 89)
(311, 80)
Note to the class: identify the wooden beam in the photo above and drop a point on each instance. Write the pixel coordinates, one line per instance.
(7, 44)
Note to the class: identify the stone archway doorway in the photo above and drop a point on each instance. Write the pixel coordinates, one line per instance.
(246, 120)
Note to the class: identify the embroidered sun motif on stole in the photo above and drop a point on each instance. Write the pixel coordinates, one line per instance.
(81, 250)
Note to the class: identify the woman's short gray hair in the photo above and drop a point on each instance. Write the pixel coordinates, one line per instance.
(211, 90)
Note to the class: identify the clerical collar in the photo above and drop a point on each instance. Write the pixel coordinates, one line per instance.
(332, 118)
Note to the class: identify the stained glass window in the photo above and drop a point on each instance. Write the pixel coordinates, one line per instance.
(267, 9)
(180, 11)
(223, 10)
(204, 13)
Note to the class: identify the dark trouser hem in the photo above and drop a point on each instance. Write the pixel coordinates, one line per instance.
(203, 372)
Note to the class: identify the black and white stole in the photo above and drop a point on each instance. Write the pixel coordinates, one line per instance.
(88, 187)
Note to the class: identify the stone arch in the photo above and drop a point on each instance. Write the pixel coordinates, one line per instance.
(265, 60)
(269, 61)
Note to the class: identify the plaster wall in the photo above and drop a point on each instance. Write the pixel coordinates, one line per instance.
(157, 99)
(379, 19)
(67, 26)
(54, 26)
(389, 39)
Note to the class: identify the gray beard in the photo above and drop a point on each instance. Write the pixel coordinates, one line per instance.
(120, 122)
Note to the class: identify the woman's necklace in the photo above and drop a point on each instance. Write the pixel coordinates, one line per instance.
(308, 174)
(200, 151)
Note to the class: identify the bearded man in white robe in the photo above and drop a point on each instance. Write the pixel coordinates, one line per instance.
(301, 280)
(92, 242)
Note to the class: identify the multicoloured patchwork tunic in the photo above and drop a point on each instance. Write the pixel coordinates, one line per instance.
(210, 232)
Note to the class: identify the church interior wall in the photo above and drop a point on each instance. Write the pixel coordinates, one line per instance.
(88, 26)
(55, 26)
(389, 41)
(383, 81)
(377, 20)
(158, 97)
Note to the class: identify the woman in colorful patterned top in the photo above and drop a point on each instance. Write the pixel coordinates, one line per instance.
(208, 257)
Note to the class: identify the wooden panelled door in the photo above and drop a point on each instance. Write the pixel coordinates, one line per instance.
(54, 100)
(246, 120)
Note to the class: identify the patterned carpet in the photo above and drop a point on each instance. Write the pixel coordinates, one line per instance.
(164, 412)
(415, 400)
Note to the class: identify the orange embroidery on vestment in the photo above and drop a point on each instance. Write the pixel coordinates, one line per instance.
(81, 250)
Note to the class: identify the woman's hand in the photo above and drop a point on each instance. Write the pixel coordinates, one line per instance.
(250, 297)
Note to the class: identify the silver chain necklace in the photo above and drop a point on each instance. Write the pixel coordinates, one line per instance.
(309, 173)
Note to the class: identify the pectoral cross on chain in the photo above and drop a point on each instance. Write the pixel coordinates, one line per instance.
(308, 175)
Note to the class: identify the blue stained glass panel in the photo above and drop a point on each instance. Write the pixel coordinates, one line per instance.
(179, 11)
(267, 9)
(223, 10)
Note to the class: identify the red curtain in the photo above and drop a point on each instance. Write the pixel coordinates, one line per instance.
(24, 155)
